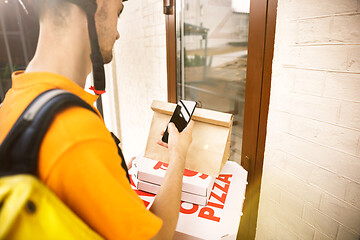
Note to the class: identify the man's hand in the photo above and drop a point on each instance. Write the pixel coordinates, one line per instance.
(129, 164)
(167, 202)
(178, 143)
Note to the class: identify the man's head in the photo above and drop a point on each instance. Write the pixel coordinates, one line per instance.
(106, 18)
(57, 13)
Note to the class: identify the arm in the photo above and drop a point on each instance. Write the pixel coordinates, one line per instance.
(167, 202)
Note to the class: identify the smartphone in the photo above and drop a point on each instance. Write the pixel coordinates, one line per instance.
(181, 116)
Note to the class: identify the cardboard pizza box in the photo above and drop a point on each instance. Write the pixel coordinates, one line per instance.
(220, 219)
(185, 196)
(151, 171)
(210, 147)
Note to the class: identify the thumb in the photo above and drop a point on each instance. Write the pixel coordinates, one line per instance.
(190, 126)
(172, 128)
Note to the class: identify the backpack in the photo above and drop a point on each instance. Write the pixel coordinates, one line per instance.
(28, 209)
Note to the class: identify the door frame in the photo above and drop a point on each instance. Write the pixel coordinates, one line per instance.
(262, 22)
(170, 24)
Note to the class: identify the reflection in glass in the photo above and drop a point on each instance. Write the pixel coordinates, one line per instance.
(18, 39)
(212, 57)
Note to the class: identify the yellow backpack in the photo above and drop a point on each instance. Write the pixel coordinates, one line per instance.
(28, 209)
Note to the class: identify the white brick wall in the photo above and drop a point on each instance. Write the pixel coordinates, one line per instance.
(140, 66)
(311, 176)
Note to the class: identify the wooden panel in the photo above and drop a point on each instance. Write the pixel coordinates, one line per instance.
(170, 21)
(261, 45)
(257, 23)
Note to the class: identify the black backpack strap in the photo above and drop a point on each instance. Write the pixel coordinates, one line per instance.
(19, 150)
(123, 163)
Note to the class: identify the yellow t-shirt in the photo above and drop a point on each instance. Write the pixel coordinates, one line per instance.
(78, 160)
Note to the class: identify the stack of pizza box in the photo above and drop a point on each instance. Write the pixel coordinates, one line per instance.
(148, 175)
(221, 216)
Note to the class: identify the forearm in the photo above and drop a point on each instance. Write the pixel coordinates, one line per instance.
(167, 202)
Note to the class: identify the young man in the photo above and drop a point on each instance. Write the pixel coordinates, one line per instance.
(78, 158)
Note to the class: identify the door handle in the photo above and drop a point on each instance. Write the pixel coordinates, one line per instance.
(168, 7)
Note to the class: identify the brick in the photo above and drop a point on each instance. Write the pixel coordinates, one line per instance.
(333, 136)
(149, 31)
(279, 121)
(350, 114)
(332, 57)
(309, 81)
(347, 234)
(329, 182)
(270, 191)
(294, 223)
(285, 181)
(309, 8)
(296, 166)
(342, 86)
(262, 234)
(292, 184)
(149, 70)
(341, 163)
(321, 222)
(283, 232)
(313, 195)
(275, 139)
(292, 204)
(290, 55)
(271, 156)
(352, 194)
(314, 30)
(315, 107)
(278, 100)
(353, 59)
(283, 80)
(288, 30)
(320, 236)
(146, 11)
(160, 30)
(266, 223)
(341, 211)
(348, 34)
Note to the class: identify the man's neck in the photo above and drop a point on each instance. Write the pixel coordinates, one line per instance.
(64, 50)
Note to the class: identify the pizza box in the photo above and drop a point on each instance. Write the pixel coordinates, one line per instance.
(220, 218)
(186, 197)
(151, 171)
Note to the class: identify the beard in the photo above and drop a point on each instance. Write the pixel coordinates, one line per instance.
(107, 55)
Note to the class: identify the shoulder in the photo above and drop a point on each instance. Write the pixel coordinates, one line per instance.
(80, 123)
(72, 131)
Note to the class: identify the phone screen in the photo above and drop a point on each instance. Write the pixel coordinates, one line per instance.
(181, 116)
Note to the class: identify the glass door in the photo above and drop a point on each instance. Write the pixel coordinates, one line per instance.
(212, 40)
(216, 48)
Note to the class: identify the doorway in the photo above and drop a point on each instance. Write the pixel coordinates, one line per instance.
(219, 53)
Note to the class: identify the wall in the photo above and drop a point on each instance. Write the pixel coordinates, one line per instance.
(311, 176)
(138, 72)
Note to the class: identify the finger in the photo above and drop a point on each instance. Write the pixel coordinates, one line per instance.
(129, 164)
(172, 128)
(162, 144)
(162, 133)
(189, 127)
